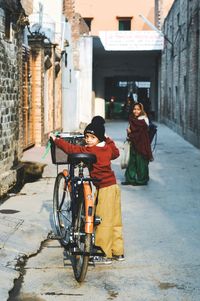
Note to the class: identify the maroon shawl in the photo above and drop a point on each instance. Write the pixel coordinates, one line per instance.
(139, 137)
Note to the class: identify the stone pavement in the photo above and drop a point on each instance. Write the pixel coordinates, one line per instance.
(26, 217)
(24, 221)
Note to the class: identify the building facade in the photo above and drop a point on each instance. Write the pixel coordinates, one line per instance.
(58, 71)
(109, 15)
(12, 23)
(179, 105)
(31, 66)
(44, 37)
(126, 50)
(77, 84)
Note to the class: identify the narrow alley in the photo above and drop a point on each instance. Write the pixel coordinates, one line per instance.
(57, 72)
(161, 230)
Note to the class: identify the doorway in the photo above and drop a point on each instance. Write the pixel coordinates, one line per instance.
(122, 88)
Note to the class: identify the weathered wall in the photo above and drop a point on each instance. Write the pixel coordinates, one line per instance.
(79, 89)
(179, 105)
(10, 151)
(23, 68)
(46, 89)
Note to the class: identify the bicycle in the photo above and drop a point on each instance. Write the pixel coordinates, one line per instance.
(74, 209)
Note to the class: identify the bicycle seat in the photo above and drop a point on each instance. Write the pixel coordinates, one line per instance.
(76, 158)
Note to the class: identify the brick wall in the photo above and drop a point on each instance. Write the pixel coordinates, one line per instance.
(78, 26)
(180, 70)
(38, 88)
(10, 152)
(46, 89)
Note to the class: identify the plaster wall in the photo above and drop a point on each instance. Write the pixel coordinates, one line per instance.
(77, 85)
(69, 86)
(105, 13)
(85, 80)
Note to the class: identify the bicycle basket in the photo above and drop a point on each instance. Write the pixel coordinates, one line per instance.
(58, 156)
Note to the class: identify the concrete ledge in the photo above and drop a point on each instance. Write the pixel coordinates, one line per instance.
(25, 172)
(7, 181)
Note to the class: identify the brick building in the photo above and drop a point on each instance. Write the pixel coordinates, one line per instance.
(45, 89)
(30, 76)
(12, 22)
(45, 38)
(179, 105)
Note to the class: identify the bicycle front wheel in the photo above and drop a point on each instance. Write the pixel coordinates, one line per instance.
(62, 212)
(83, 241)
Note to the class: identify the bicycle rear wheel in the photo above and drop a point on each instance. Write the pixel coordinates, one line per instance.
(83, 241)
(62, 212)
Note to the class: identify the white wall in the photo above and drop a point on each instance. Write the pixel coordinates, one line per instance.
(69, 86)
(85, 80)
(77, 91)
(50, 18)
(99, 107)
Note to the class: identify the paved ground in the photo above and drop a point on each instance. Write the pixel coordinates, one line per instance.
(161, 226)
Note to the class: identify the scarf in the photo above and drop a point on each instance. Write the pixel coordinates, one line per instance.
(139, 137)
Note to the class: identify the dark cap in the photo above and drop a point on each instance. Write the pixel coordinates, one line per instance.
(96, 127)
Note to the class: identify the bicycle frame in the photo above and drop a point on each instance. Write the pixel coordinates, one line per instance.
(74, 207)
(89, 208)
(88, 197)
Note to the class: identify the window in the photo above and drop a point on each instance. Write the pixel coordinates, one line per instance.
(88, 21)
(124, 23)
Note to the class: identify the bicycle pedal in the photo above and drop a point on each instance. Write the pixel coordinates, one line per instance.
(97, 220)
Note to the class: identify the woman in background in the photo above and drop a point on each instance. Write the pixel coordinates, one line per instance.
(137, 172)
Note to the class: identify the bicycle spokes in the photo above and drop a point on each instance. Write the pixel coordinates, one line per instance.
(62, 209)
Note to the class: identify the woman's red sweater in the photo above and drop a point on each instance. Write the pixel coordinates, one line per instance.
(104, 154)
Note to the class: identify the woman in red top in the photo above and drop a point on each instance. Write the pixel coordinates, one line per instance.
(109, 233)
(137, 172)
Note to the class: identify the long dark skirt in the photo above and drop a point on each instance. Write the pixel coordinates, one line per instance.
(137, 172)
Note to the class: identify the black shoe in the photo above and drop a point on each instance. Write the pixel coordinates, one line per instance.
(125, 183)
(118, 257)
(99, 260)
